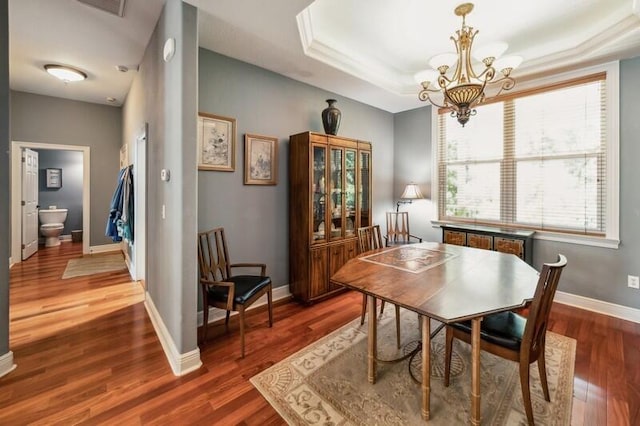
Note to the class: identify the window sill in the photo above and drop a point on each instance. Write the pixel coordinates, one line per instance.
(584, 240)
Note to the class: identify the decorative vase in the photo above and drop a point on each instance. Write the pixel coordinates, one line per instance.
(331, 118)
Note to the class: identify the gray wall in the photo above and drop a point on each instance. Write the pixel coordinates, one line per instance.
(165, 96)
(255, 217)
(69, 196)
(412, 163)
(592, 272)
(45, 119)
(5, 226)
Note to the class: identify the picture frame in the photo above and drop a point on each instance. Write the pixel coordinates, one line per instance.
(54, 178)
(216, 142)
(260, 160)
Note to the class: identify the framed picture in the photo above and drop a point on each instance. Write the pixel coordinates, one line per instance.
(54, 178)
(260, 160)
(216, 142)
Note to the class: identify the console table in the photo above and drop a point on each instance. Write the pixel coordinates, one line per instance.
(514, 241)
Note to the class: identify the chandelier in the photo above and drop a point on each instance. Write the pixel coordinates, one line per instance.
(463, 90)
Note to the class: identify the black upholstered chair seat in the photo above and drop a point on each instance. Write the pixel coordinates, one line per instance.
(504, 329)
(246, 286)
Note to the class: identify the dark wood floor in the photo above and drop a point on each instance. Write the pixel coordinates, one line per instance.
(87, 353)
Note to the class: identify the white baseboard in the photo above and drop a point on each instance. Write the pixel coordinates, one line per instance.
(10, 262)
(6, 364)
(105, 248)
(606, 308)
(216, 314)
(181, 364)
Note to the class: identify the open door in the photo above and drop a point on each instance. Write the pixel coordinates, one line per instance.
(29, 202)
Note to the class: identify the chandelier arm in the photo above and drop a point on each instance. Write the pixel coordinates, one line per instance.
(444, 81)
(480, 99)
(506, 83)
(487, 75)
(424, 96)
(429, 89)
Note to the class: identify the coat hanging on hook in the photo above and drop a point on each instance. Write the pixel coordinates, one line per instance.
(121, 212)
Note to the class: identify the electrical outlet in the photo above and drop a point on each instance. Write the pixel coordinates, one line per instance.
(633, 281)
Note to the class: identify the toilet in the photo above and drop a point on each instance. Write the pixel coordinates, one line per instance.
(51, 225)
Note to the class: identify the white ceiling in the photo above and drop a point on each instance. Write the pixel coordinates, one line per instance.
(367, 50)
(71, 33)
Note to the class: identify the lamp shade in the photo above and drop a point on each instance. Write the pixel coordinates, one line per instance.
(411, 192)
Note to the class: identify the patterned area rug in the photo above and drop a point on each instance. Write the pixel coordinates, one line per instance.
(326, 382)
(94, 264)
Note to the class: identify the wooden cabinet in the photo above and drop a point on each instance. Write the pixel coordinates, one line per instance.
(329, 198)
(512, 241)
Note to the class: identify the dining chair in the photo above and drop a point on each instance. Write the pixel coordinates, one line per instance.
(370, 238)
(514, 337)
(221, 289)
(398, 229)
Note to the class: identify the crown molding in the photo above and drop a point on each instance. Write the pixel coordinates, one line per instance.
(618, 41)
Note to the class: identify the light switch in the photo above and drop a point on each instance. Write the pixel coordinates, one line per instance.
(165, 175)
(164, 216)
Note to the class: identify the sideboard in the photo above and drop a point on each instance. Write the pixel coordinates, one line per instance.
(514, 241)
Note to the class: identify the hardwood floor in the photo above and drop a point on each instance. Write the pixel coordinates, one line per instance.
(87, 354)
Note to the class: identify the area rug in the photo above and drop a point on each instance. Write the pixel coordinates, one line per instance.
(94, 264)
(326, 382)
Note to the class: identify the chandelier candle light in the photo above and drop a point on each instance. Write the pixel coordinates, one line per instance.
(464, 89)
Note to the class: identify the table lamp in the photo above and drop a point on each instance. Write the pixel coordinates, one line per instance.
(411, 192)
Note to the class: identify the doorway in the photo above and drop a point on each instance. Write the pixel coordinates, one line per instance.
(139, 272)
(16, 191)
(135, 251)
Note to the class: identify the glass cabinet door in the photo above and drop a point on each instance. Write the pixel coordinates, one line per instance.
(318, 193)
(364, 188)
(350, 160)
(336, 192)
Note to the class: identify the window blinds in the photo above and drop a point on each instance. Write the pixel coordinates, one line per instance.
(536, 159)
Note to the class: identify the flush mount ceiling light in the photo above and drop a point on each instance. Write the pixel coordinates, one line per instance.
(65, 73)
(463, 90)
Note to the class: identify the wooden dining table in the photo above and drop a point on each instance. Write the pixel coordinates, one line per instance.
(445, 282)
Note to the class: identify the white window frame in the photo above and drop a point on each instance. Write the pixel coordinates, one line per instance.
(612, 236)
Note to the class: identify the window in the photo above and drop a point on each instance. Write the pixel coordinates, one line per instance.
(544, 158)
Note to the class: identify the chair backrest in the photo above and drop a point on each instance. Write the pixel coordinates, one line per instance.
(537, 319)
(398, 227)
(369, 238)
(213, 256)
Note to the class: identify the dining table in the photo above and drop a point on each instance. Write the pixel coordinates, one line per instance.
(445, 282)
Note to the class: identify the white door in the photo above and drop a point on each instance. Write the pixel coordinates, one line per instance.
(29, 202)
